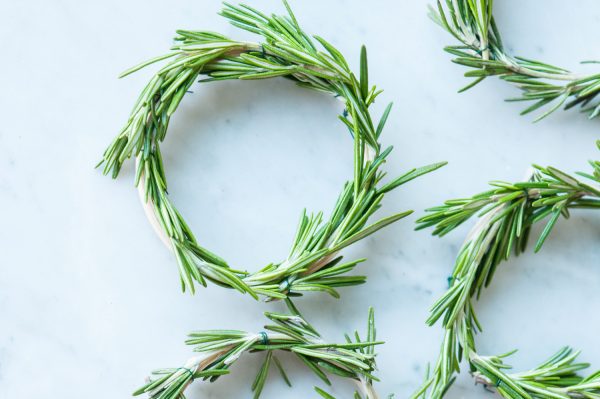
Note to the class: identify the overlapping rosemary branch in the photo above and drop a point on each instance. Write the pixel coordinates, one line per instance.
(472, 23)
(312, 263)
(506, 214)
(354, 359)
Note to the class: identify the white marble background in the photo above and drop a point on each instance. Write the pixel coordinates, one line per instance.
(89, 298)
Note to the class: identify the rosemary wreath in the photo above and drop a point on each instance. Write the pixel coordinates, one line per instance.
(506, 214)
(481, 50)
(313, 263)
(220, 349)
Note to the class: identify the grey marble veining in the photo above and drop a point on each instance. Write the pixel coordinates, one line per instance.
(89, 298)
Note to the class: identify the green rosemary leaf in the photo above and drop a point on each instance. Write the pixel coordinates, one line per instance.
(547, 230)
(364, 73)
(413, 174)
(323, 393)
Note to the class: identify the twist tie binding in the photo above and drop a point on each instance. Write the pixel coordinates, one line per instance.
(188, 370)
(264, 338)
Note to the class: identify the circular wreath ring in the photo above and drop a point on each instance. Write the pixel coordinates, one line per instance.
(472, 23)
(313, 263)
(506, 214)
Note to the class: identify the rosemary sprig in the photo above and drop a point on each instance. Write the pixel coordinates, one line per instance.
(290, 332)
(506, 214)
(556, 378)
(313, 263)
(471, 22)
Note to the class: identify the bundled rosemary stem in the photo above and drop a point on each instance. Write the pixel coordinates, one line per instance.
(506, 215)
(220, 349)
(313, 263)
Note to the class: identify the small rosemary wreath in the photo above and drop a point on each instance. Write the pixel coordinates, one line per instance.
(507, 213)
(313, 263)
(290, 332)
(472, 23)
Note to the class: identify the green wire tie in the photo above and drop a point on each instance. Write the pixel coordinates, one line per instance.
(480, 51)
(188, 370)
(264, 338)
(285, 284)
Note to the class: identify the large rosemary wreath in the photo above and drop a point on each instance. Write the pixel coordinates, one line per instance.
(313, 263)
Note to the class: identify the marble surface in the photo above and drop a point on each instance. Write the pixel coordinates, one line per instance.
(89, 298)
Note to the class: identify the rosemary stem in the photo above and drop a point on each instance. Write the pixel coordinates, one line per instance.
(366, 388)
(150, 209)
